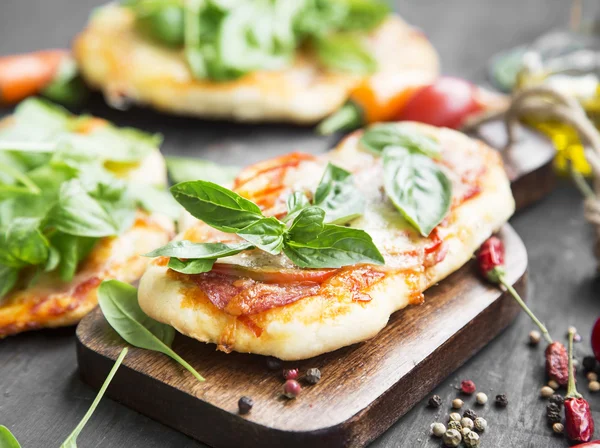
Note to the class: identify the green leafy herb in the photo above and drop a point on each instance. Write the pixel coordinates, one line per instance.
(182, 169)
(418, 188)
(187, 249)
(22, 244)
(8, 279)
(345, 53)
(119, 304)
(191, 266)
(266, 234)
(71, 441)
(67, 87)
(307, 225)
(296, 202)
(7, 440)
(380, 136)
(338, 196)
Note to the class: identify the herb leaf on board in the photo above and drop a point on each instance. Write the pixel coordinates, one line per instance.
(380, 136)
(121, 309)
(7, 439)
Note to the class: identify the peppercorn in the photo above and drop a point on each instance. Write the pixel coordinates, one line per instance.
(291, 388)
(554, 418)
(467, 387)
(552, 408)
(454, 416)
(464, 431)
(557, 400)
(592, 376)
(553, 384)
(454, 425)
(472, 440)
(558, 428)
(594, 386)
(481, 398)
(435, 401)
(313, 376)
(467, 422)
(457, 403)
(534, 337)
(290, 374)
(452, 438)
(501, 400)
(245, 405)
(438, 429)
(480, 424)
(546, 392)
(273, 364)
(589, 363)
(470, 413)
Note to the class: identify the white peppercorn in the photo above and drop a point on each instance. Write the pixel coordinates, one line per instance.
(592, 376)
(594, 386)
(472, 440)
(534, 337)
(546, 392)
(452, 438)
(464, 432)
(454, 425)
(481, 398)
(455, 416)
(438, 429)
(480, 424)
(457, 403)
(553, 384)
(466, 422)
(558, 428)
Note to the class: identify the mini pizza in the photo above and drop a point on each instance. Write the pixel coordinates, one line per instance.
(290, 60)
(76, 207)
(309, 254)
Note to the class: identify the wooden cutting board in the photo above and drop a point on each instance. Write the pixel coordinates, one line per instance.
(365, 388)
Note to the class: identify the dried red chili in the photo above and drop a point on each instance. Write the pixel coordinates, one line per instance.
(490, 260)
(579, 423)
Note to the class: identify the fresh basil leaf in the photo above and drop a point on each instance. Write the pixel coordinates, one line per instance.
(307, 225)
(35, 120)
(77, 213)
(191, 266)
(155, 200)
(121, 309)
(192, 32)
(72, 250)
(334, 247)
(320, 17)
(345, 53)
(22, 244)
(216, 206)
(296, 202)
(8, 279)
(53, 259)
(71, 441)
(189, 250)
(162, 21)
(7, 440)
(266, 234)
(182, 169)
(364, 15)
(380, 136)
(417, 187)
(338, 196)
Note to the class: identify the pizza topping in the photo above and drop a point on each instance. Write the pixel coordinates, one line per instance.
(61, 189)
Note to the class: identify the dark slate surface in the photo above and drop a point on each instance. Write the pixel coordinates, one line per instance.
(41, 395)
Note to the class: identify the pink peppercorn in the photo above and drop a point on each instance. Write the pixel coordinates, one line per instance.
(291, 388)
(467, 387)
(290, 374)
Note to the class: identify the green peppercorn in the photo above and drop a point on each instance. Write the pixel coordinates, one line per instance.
(162, 22)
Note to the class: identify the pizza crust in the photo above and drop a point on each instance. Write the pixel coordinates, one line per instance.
(114, 58)
(319, 324)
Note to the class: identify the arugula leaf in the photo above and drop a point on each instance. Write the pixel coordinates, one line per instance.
(35, 120)
(338, 196)
(380, 136)
(197, 266)
(121, 309)
(187, 249)
(77, 213)
(418, 188)
(8, 279)
(71, 441)
(307, 224)
(7, 440)
(216, 206)
(345, 53)
(182, 169)
(334, 247)
(22, 244)
(72, 250)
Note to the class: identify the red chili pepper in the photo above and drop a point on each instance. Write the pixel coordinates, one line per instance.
(592, 444)
(579, 423)
(490, 260)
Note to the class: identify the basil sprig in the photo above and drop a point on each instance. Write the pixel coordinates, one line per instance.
(415, 184)
(308, 241)
(60, 190)
(224, 40)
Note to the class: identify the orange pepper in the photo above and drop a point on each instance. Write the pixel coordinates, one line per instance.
(27, 74)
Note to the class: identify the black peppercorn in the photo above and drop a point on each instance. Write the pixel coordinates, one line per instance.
(274, 364)
(589, 363)
(245, 404)
(554, 417)
(469, 413)
(558, 400)
(313, 376)
(435, 401)
(552, 408)
(501, 400)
